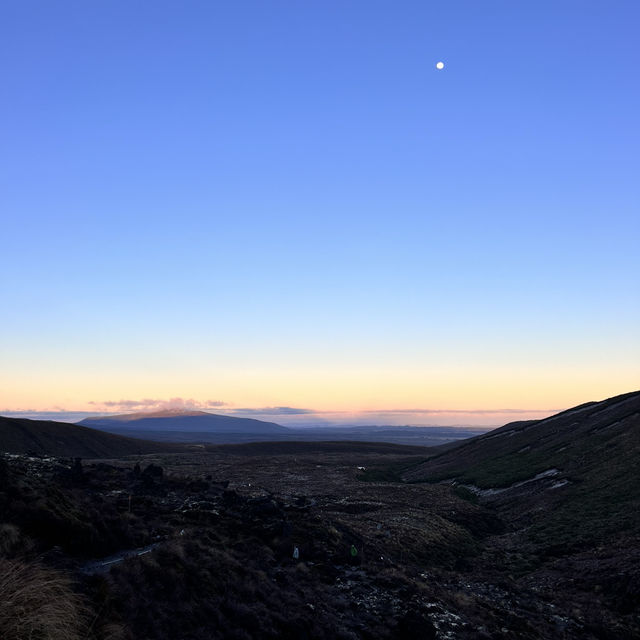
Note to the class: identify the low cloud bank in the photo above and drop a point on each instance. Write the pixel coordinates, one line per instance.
(299, 416)
(154, 404)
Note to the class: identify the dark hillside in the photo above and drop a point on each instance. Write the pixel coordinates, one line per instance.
(569, 489)
(19, 435)
(582, 441)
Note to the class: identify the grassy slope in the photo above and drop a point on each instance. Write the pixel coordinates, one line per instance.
(579, 441)
(595, 447)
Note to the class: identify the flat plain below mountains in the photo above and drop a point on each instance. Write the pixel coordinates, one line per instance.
(178, 426)
(529, 531)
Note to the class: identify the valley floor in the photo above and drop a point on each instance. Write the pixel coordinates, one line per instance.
(314, 540)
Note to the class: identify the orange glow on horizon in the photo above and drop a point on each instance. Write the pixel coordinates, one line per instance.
(353, 392)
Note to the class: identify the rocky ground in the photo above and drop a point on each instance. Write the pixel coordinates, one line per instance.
(299, 542)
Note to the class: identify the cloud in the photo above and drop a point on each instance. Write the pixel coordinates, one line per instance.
(158, 404)
(276, 411)
(295, 416)
(474, 412)
(217, 403)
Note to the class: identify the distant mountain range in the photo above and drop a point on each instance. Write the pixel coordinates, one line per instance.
(594, 440)
(114, 436)
(180, 420)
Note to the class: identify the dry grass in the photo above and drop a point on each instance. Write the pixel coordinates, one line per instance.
(37, 603)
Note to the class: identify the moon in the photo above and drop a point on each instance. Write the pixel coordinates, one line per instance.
(440, 65)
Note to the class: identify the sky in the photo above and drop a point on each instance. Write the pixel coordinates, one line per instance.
(284, 209)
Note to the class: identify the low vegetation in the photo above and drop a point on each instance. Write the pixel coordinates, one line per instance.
(330, 540)
(37, 602)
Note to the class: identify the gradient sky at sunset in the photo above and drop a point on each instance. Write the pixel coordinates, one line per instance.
(283, 209)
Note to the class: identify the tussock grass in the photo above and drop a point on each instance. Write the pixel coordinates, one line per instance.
(37, 603)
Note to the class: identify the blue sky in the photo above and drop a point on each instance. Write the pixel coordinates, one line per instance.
(285, 204)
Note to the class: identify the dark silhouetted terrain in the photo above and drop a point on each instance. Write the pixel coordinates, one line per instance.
(528, 532)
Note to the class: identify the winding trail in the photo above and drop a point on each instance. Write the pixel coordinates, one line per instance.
(103, 565)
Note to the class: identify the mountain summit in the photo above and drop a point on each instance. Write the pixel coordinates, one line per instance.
(182, 420)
